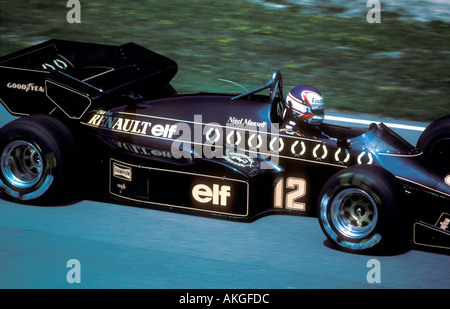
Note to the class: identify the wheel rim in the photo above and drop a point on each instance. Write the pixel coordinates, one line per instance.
(354, 213)
(21, 164)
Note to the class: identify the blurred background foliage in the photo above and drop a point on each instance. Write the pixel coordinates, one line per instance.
(396, 68)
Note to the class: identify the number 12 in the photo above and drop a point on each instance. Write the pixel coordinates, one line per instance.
(298, 186)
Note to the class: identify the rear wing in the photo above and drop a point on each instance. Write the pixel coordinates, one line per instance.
(77, 76)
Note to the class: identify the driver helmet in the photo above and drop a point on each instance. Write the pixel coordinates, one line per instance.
(306, 104)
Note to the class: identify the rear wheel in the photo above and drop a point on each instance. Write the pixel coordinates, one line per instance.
(359, 209)
(36, 155)
(22, 164)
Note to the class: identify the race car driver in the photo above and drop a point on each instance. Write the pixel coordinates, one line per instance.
(302, 112)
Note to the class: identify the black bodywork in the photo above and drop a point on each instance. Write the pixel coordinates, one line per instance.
(223, 155)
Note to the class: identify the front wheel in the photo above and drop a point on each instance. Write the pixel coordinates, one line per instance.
(359, 209)
(35, 158)
(435, 142)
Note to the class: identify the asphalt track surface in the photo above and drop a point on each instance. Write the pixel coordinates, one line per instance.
(126, 247)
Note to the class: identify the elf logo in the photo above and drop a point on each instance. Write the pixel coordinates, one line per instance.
(216, 194)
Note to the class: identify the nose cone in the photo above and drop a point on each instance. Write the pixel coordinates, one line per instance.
(418, 170)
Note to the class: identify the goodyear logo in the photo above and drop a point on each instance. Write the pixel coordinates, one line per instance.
(25, 87)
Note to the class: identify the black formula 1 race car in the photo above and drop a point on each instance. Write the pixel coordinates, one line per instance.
(104, 120)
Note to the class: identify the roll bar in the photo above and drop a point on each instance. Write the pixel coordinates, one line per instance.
(275, 85)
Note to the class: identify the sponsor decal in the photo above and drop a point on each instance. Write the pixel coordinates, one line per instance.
(288, 192)
(200, 192)
(444, 222)
(324, 152)
(238, 159)
(342, 155)
(363, 155)
(217, 194)
(312, 97)
(105, 119)
(25, 87)
(141, 150)
(302, 149)
(122, 172)
(248, 122)
(57, 64)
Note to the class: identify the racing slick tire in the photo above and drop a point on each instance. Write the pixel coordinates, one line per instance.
(434, 142)
(35, 158)
(359, 209)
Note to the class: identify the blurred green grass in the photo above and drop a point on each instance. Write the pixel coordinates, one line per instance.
(396, 68)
